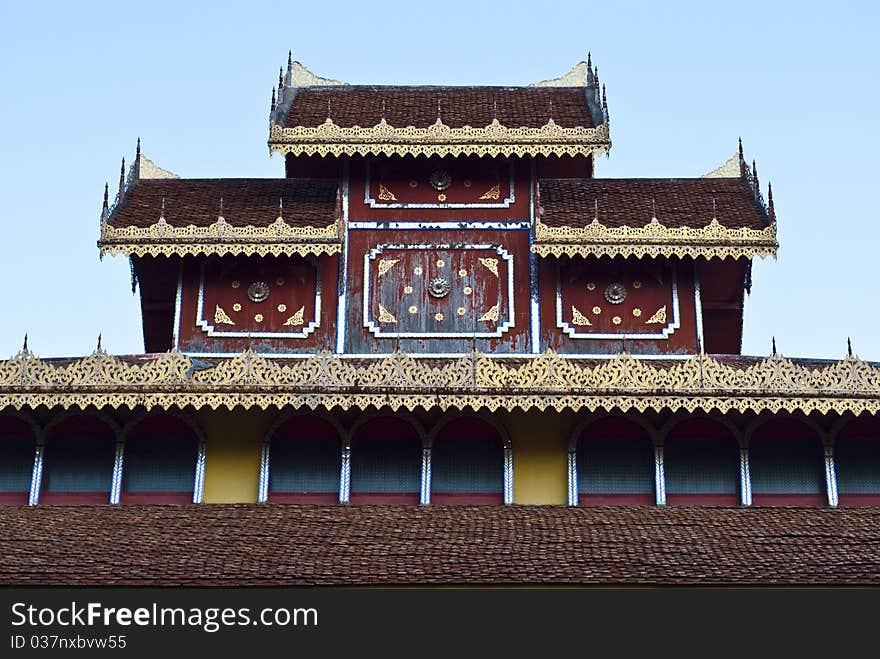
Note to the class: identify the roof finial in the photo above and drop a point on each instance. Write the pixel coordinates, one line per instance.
(848, 345)
(272, 104)
(756, 187)
(495, 108)
(773, 345)
(280, 79)
(106, 197)
(289, 59)
(99, 343)
(281, 207)
(220, 211)
(653, 209)
(742, 160)
(383, 107)
(24, 347)
(328, 107)
(714, 210)
(550, 108)
(137, 161)
(137, 153)
(439, 120)
(596, 76)
(596, 208)
(162, 209)
(122, 181)
(770, 209)
(604, 100)
(589, 60)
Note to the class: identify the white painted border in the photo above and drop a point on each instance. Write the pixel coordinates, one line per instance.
(371, 255)
(665, 333)
(372, 203)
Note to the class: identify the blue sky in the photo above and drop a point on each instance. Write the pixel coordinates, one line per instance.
(797, 81)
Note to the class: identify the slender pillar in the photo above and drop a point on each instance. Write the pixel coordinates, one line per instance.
(508, 475)
(745, 478)
(116, 482)
(572, 478)
(425, 493)
(199, 480)
(37, 473)
(345, 475)
(830, 477)
(263, 482)
(659, 476)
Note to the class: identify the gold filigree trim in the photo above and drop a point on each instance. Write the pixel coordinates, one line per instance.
(548, 381)
(221, 318)
(493, 193)
(385, 265)
(386, 316)
(297, 318)
(577, 318)
(385, 194)
(659, 317)
(654, 239)
(491, 315)
(220, 237)
(491, 264)
(438, 140)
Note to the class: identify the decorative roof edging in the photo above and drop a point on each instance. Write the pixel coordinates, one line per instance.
(399, 381)
(655, 239)
(439, 140)
(220, 237)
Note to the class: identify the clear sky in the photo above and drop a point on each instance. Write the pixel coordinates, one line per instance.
(796, 80)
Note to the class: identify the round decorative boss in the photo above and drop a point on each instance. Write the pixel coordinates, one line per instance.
(615, 293)
(440, 180)
(258, 291)
(438, 287)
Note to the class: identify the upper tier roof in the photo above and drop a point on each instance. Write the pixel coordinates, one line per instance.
(709, 217)
(218, 216)
(567, 115)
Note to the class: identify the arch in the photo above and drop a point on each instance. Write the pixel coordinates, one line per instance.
(161, 459)
(18, 442)
(79, 459)
(702, 461)
(786, 460)
(467, 460)
(857, 461)
(304, 459)
(386, 458)
(614, 462)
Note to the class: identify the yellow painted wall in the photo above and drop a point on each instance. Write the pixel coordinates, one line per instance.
(232, 464)
(540, 455)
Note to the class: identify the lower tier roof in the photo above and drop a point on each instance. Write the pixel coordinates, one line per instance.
(283, 544)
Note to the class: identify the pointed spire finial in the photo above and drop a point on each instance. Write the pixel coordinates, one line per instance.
(328, 107)
(550, 108)
(770, 209)
(106, 195)
(99, 342)
(589, 59)
(137, 153)
(742, 160)
(272, 104)
(289, 59)
(24, 347)
(773, 345)
(137, 160)
(848, 346)
(604, 100)
(122, 180)
(438, 109)
(653, 209)
(714, 209)
(220, 210)
(383, 107)
(280, 79)
(495, 108)
(596, 76)
(162, 209)
(596, 208)
(281, 207)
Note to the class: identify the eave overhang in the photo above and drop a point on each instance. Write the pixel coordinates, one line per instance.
(400, 381)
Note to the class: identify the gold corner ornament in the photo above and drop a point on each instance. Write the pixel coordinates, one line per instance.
(438, 139)
(220, 237)
(401, 381)
(655, 239)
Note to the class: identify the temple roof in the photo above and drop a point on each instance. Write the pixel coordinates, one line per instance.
(217, 216)
(314, 115)
(713, 216)
(281, 544)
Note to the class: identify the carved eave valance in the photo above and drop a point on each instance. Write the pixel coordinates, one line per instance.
(654, 239)
(399, 381)
(439, 140)
(220, 237)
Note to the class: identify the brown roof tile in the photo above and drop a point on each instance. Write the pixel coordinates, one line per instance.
(307, 202)
(628, 202)
(280, 544)
(514, 107)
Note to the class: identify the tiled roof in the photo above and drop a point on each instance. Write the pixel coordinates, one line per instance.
(280, 544)
(255, 202)
(633, 202)
(514, 107)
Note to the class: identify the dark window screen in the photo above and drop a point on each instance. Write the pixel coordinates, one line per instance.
(615, 466)
(304, 464)
(81, 464)
(386, 465)
(786, 466)
(462, 464)
(16, 463)
(858, 465)
(701, 466)
(159, 465)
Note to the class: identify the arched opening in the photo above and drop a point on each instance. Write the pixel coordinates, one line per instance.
(467, 463)
(701, 457)
(17, 447)
(786, 464)
(857, 459)
(304, 461)
(159, 462)
(78, 461)
(615, 463)
(386, 458)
